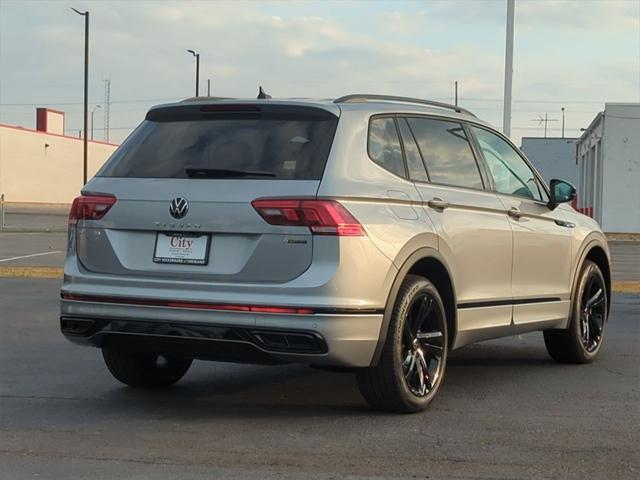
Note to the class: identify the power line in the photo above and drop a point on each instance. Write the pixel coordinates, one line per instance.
(173, 99)
(93, 103)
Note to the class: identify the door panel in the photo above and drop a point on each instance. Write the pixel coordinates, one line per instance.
(541, 242)
(541, 260)
(476, 240)
(474, 233)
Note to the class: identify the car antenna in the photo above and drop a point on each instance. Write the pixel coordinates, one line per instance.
(262, 95)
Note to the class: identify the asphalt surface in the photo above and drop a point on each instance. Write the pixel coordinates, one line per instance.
(41, 217)
(505, 411)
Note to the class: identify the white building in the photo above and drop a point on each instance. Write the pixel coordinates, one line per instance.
(608, 156)
(44, 165)
(552, 157)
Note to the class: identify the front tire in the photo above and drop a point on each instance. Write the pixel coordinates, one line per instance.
(411, 367)
(145, 370)
(582, 340)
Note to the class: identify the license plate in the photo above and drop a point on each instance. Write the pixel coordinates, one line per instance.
(182, 248)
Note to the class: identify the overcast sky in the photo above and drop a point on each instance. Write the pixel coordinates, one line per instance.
(576, 54)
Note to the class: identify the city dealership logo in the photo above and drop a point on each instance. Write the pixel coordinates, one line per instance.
(178, 207)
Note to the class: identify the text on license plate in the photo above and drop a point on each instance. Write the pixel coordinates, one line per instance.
(183, 248)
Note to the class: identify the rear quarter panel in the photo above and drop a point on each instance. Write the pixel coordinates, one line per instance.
(388, 206)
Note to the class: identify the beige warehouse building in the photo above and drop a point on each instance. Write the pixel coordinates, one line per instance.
(44, 165)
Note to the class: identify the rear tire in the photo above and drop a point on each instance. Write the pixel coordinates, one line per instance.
(582, 340)
(145, 370)
(412, 364)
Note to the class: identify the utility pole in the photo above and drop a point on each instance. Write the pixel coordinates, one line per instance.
(456, 92)
(86, 89)
(208, 87)
(562, 121)
(508, 68)
(197, 55)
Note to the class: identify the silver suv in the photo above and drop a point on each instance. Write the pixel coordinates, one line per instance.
(369, 232)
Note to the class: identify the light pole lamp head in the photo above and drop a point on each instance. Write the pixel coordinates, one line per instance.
(192, 52)
(79, 12)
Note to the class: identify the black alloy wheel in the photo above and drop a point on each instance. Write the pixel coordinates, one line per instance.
(412, 364)
(592, 312)
(581, 341)
(423, 345)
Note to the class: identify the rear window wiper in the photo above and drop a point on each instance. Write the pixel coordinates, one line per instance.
(224, 173)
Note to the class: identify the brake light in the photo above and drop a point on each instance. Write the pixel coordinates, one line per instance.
(90, 207)
(323, 217)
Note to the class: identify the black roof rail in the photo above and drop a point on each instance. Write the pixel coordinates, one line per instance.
(363, 97)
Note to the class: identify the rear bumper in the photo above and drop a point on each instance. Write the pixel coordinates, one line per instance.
(340, 339)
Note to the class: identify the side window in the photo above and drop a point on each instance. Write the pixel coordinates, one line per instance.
(411, 153)
(510, 172)
(446, 152)
(384, 145)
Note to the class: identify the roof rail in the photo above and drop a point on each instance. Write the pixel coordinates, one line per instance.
(363, 97)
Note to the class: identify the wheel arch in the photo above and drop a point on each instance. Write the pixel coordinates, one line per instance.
(597, 252)
(597, 255)
(429, 263)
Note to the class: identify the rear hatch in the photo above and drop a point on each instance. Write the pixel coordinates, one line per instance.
(183, 184)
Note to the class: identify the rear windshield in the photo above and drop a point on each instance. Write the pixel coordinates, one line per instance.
(227, 141)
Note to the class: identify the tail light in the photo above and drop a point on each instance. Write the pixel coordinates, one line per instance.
(323, 217)
(90, 207)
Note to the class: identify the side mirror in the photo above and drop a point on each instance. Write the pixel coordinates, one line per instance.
(561, 192)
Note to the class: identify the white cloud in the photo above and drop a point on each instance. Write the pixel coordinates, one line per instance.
(296, 50)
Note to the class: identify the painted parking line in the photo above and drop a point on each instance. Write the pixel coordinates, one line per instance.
(30, 256)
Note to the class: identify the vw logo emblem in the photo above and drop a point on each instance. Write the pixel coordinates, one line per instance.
(178, 207)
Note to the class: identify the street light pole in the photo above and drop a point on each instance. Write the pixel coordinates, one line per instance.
(197, 55)
(508, 68)
(562, 121)
(86, 89)
(92, 112)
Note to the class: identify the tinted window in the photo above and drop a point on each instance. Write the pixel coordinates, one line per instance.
(384, 145)
(411, 152)
(446, 152)
(510, 172)
(185, 143)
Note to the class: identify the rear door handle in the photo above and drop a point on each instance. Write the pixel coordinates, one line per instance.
(438, 203)
(514, 212)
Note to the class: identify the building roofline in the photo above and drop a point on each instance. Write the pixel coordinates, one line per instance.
(50, 110)
(551, 138)
(591, 126)
(622, 104)
(40, 132)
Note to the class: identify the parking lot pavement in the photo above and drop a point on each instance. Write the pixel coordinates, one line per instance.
(34, 216)
(505, 411)
(32, 249)
(626, 261)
